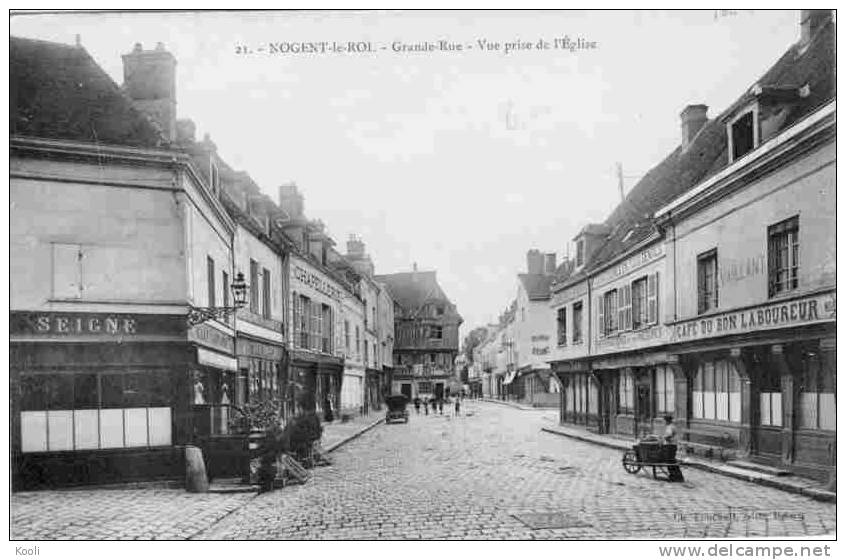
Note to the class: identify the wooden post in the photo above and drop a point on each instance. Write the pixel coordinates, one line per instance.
(195, 470)
(787, 403)
(681, 386)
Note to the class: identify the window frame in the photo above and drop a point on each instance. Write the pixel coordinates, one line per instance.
(752, 109)
(788, 230)
(561, 325)
(210, 281)
(577, 324)
(707, 300)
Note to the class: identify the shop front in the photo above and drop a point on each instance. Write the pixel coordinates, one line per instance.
(764, 390)
(98, 397)
(316, 383)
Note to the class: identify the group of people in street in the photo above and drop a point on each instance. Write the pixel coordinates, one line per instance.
(436, 404)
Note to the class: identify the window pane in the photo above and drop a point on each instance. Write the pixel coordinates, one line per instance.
(112, 389)
(86, 429)
(160, 428)
(60, 430)
(160, 388)
(734, 406)
(135, 427)
(766, 413)
(808, 410)
(710, 405)
(85, 391)
(827, 416)
(776, 409)
(33, 431)
(698, 405)
(136, 390)
(33, 391)
(60, 392)
(111, 428)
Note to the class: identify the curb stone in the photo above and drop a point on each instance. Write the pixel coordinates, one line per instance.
(762, 480)
(351, 437)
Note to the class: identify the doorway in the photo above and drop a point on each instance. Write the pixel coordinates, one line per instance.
(405, 389)
(439, 391)
(643, 406)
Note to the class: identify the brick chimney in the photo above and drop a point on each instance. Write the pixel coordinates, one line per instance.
(355, 247)
(149, 78)
(291, 201)
(550, 264)
(810, 22)
(534, 262)
(693, 118)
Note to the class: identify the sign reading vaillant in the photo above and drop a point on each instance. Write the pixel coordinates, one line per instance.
(801, 311)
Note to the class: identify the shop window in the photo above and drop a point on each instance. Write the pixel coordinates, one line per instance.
(716, 392)
(783, 248)
(816, 394)
(562, 326)
(577, 322)
(66, 412)
(639, 315)
(625, 400)
(665, 390)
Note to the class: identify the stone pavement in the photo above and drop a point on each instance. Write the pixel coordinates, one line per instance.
(794, 484)
(441, 477)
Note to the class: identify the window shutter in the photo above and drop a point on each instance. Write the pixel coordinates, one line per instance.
(624, 315)
(600, 308)
(652, 298)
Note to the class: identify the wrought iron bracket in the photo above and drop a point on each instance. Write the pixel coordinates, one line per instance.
(199, 315)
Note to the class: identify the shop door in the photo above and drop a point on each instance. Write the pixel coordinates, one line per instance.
(767, 415)
(405, 389)
(439, 391)
(606, 399)
(643, 409)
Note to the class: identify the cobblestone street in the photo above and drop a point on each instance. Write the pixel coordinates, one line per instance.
(440, 477)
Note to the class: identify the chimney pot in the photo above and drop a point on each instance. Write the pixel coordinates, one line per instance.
(693, 118)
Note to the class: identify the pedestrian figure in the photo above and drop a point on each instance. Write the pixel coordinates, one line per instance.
(670, 439)
(417, 405)
(426, 406)
(457, 406)
(440, 406)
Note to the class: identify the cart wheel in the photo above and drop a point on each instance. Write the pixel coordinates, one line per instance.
(630, 462)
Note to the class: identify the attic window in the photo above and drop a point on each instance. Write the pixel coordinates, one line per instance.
(743, 133)
(580, 252)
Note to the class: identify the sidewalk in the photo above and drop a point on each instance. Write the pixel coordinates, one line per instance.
(793, 484)
(518, 405)
(337, 433)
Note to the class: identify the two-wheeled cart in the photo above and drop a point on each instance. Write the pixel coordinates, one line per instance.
(661, 457)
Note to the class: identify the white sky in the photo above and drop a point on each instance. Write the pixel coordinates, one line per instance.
(460, 162)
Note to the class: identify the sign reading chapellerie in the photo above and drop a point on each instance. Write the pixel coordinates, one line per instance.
(784, 314)
(100, 325)
(316, 281)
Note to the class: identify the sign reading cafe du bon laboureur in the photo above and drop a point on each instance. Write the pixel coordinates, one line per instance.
(783, 314)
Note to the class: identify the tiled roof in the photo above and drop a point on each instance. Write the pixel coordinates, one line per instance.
(58, 91)
(536, 285)
(411, 290)
(631, 221)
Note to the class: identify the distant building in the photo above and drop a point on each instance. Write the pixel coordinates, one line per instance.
(426, 327)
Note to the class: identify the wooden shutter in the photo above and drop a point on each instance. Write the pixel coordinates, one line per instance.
(600, 316)
(624, 313)
(652, 298)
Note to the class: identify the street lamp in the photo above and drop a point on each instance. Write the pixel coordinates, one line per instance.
(198, 315)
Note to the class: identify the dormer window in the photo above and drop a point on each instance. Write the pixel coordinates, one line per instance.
(580, 252)
(743, 133)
